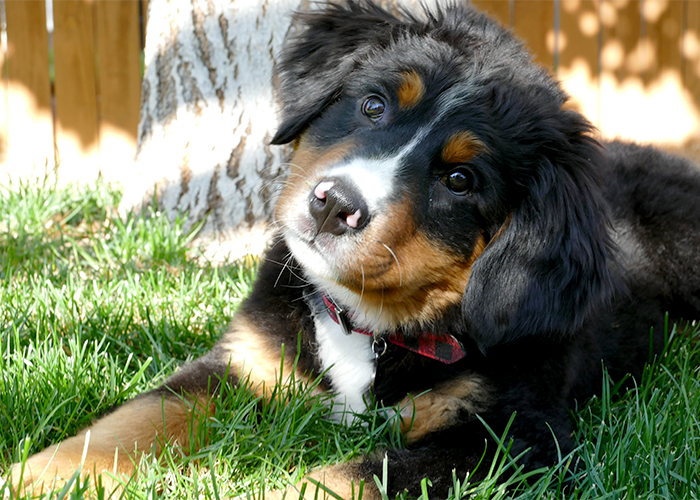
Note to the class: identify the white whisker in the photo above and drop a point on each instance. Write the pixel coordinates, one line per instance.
(397, 263)
(362, 292)
(284, 266)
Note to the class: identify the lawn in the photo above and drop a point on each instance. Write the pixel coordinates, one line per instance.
(97, 307)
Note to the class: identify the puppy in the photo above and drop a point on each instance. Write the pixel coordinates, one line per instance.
(453, 242)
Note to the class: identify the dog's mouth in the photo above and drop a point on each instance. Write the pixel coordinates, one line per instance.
(336, 245)
(340, 236)
(377, 264)
(348, 223)
(332, 211)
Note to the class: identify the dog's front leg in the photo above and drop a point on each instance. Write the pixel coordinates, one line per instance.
(114, 443)
(348, 481)
(365, 479)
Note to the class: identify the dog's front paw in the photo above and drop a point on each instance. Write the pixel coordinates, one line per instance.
(58, 464)
(343, 481)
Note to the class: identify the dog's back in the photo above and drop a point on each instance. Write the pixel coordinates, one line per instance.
(655, 224)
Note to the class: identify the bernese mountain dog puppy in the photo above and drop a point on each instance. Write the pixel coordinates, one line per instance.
(453, 243)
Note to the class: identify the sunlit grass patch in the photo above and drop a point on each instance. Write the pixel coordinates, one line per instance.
(97, 307)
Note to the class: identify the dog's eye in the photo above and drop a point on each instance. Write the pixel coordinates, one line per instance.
(373, 108)
(459, 181)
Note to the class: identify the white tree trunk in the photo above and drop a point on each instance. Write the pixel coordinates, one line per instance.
(208, 112)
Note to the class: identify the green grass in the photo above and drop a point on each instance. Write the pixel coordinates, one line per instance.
(97, 307)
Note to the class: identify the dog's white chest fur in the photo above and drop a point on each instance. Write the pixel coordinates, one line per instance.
(348, 361)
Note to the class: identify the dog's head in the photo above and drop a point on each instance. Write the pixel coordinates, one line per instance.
(436, 171)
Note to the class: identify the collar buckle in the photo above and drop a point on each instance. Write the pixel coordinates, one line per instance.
(341, 315)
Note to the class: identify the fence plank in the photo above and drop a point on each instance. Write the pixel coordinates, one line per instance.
(625, 34)
(664, 24)
(76, 90)
(534, 23)
(664, 80)
(691, 62)
(30, 143)
(144, 19)
(119, 55)
(3, 114)
(498, 9)
(622, 60)
(642, 93)
(579, 55)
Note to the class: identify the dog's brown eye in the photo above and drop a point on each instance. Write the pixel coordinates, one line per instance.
(459, 181)
(373, 108)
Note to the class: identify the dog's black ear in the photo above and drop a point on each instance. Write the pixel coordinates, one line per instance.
(552, 263)
(315, 63)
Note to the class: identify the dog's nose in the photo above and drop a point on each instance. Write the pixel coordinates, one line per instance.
(337, 207)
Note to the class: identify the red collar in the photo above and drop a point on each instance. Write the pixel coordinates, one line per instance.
(439, 346)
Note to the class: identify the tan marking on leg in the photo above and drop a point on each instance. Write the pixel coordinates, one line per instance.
(115, 443)
(437, 409)
(411, 89)
(344, 480)
(414, 282)
(258, 358)
(462, 147)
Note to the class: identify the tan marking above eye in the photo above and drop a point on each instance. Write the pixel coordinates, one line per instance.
(411, 89)
(462, 147)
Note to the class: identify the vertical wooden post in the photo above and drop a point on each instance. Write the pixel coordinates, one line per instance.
(622, 56)
(534, 23)
(579, 52)
(498, 9)
(3, 112)
(664, 26)
(119, 54)
(29, 127)
(76, 90)
(691, 49)
(691, 67)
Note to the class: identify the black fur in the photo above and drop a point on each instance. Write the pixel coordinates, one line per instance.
(555, 252)
(568, 250)
(313, 69)
(589, 245)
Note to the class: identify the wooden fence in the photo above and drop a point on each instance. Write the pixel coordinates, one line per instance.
(71, 98)
(632, 66)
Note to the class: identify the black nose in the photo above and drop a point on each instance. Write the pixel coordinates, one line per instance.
(337, 207)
